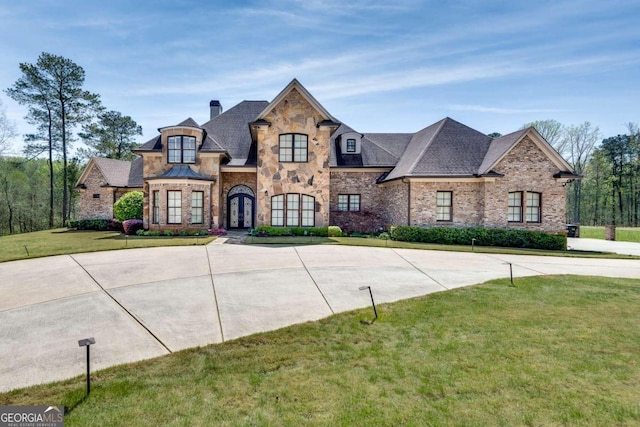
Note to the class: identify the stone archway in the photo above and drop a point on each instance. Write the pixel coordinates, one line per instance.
(240, 207)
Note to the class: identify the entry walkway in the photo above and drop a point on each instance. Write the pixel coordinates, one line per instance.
(144, 303)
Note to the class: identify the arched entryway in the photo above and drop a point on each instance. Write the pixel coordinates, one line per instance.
(240, 207)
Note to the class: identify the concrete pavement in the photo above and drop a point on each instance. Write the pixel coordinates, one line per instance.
(144, 303)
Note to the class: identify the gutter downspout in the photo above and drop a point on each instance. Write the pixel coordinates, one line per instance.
(408, 201)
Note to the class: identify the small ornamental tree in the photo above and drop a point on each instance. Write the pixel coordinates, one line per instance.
(129, 206)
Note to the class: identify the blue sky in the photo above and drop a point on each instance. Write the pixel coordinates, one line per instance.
(378, 66)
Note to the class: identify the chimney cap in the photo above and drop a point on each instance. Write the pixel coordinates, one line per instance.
(214, 103)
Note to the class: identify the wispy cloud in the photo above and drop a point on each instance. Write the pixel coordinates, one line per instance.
(498, 110)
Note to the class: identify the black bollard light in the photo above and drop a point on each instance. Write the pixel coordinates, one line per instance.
(87, 343)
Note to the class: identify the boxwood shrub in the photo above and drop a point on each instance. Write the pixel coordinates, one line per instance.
(96, 224)
(484, 237)
(268, 231)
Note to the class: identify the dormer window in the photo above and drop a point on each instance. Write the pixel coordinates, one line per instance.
(181, 149)
(350, 143)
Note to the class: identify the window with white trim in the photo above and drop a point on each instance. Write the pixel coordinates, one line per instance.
(444, 206)
(293, 148)
(351, 145)
(174, 207)
(181, 149)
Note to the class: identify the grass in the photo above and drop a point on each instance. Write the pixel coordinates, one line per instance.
(374, 242)
(553, 350)
(62, 241)
(623, 234)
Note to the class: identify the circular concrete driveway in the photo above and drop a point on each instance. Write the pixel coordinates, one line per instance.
(143, 303)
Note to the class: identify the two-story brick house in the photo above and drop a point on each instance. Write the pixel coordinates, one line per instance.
(289, 162)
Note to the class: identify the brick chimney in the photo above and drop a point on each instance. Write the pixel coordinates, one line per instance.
(215, 107)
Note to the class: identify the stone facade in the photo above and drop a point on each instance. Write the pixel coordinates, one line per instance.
(294, 114)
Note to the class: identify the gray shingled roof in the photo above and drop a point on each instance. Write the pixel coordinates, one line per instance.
(446, 148)
(231, 131)
(498, 148)
(115, 172)
(135, 173)
(182, 172)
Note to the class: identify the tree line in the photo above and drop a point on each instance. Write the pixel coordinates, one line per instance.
(609, 191)
(37, 193)
(61, 112)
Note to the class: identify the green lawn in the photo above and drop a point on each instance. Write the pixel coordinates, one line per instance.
(553, 350)
(623, 234)
(374, 242)
(63, 241)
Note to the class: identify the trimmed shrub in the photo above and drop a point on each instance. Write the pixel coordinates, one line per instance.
(131, 226)
(484, 237)
(96, 224)
(268, 231)
(129, 206)
(334, 231)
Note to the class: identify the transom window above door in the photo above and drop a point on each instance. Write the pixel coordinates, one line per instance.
(181, 149)
(293, 148)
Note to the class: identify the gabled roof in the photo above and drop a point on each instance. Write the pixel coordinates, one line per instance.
(116, 173)
(501, 146)
(295, 84)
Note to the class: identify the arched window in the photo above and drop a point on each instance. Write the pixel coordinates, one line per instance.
(293, 210)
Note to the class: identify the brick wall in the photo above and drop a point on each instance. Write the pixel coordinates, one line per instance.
(526, 168)
(372, 201)
(186, 189)
(396, 200)
(230, 180)
(467, 203)
(91, 207)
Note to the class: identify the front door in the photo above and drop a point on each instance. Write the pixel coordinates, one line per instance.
(240, 211)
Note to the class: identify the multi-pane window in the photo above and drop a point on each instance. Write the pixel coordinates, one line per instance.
(196, 207)
(533, 207)
(444, 206)
(277, 210)
(293, 210)
(349, 202)
(174, 207)
(308, 211)
(156, 207)
(293, 147)
(514, 212)
(351, 145)
(181, 149)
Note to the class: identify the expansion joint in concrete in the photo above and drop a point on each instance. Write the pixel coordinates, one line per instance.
(122, 306)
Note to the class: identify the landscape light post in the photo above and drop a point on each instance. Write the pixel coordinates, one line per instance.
(362, 288)
(473, 245)
(510, 272)
(87, 343)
